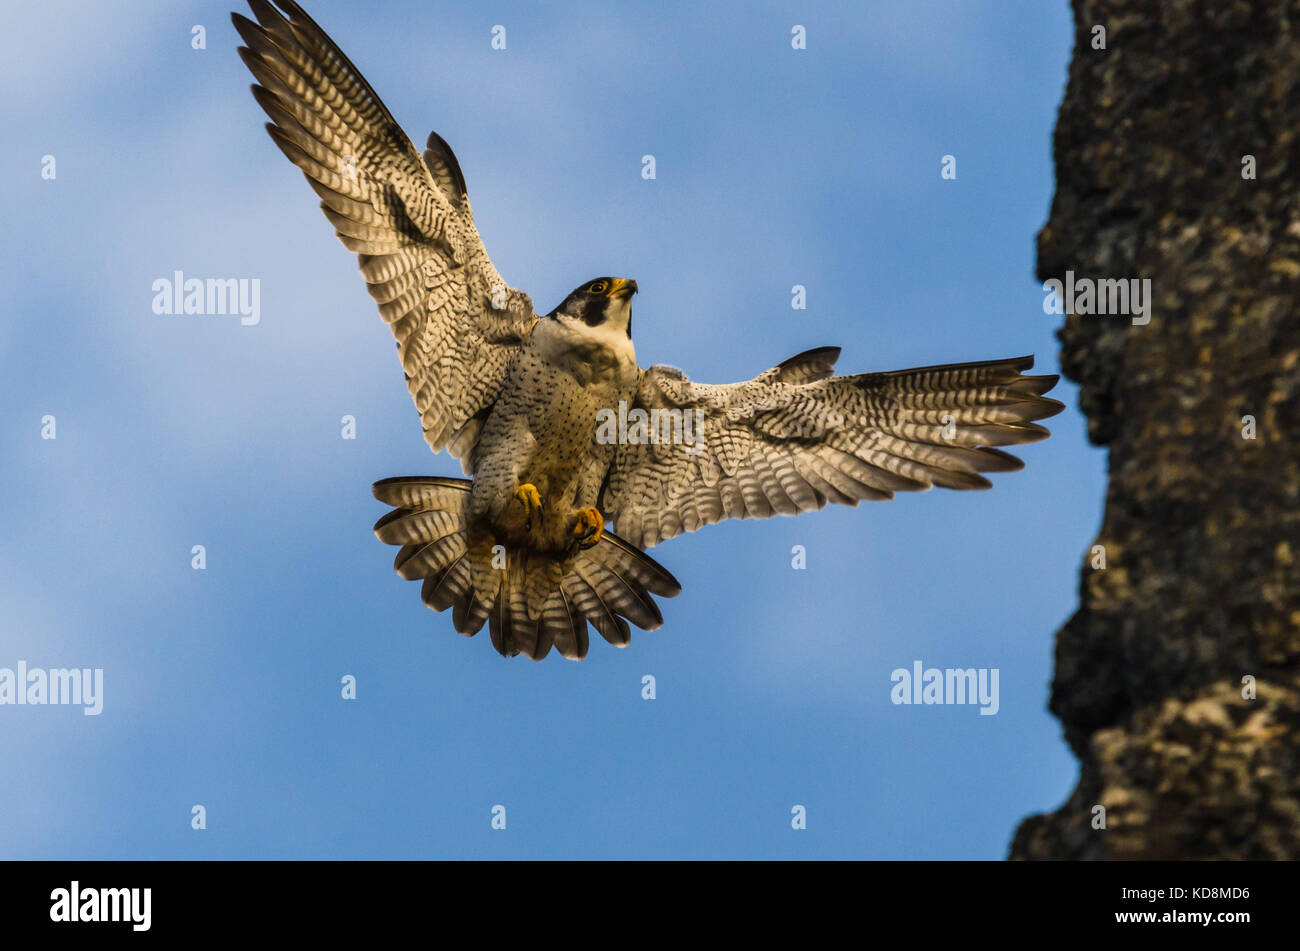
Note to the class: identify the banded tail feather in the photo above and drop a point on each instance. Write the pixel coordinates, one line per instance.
(530, 601)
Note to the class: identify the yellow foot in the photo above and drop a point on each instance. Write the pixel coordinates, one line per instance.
(532, 502)
(589, 527)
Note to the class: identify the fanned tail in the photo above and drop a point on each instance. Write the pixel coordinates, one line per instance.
(531, 601)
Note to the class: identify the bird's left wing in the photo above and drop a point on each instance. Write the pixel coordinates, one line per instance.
(796, 437)
(406, 216)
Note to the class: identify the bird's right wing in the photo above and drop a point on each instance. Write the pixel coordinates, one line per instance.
(456, 322)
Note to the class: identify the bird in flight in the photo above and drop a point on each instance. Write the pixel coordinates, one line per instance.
(559, 430)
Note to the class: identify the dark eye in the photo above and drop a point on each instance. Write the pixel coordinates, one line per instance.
(597, 287)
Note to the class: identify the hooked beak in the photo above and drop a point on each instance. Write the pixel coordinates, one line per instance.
(622, 287)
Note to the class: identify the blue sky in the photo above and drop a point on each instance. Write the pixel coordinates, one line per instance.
(775, 167)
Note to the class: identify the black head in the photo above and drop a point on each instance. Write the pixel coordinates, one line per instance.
(600, 301)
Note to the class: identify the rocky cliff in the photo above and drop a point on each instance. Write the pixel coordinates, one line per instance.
(1177, 680)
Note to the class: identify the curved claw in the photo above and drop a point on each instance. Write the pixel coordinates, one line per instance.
(589, 528)
(532, 502)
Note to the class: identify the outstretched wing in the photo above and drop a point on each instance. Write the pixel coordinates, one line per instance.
(409, 220)
(796, 437)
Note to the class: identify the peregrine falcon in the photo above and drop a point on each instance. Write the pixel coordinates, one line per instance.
(559, 430)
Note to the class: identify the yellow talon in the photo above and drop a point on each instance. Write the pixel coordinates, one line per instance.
(589, 527)
(532, 501)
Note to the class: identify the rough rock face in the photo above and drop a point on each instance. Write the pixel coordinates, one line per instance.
(1202, 525)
